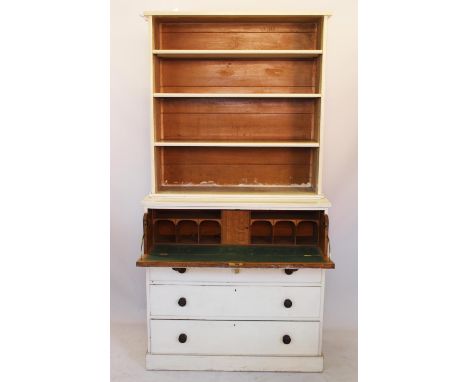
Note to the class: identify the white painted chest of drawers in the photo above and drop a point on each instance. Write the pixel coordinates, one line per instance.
(235, 319)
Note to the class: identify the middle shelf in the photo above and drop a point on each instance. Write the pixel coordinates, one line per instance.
(237, 120)
(227, 76)
(235, 144)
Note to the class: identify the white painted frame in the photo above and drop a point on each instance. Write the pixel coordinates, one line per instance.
(232, 53)
(236, 362)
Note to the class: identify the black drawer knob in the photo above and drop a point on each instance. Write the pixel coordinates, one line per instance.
(290, 271)
(182, 301)
(287, 303)
(182, 338)
(180, 270)
(286, 339)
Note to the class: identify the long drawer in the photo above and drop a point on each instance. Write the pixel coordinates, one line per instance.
(236, 302)
(229, 275)
(274, 338)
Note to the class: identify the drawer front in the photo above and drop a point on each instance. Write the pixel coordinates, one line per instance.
(235, 337)
(229, 275)
(237, 302)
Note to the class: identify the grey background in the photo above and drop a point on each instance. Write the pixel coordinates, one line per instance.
(130, 148)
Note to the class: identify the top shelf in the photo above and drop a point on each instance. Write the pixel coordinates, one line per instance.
(236, 95)
(236, 53)
(234, 14)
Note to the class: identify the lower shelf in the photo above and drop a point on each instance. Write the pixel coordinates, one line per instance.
(236, 256)
(234, 363)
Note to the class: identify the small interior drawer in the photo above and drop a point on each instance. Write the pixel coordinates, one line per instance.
(235, 302)
(274, 338)
(227, 275)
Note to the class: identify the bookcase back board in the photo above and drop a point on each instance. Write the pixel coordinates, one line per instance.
(237, 103)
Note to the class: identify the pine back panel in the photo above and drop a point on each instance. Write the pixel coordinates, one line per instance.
(188, 120)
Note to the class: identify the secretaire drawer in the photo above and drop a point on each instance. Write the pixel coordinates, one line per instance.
(235, 337)
(244, 275)
(235, 301)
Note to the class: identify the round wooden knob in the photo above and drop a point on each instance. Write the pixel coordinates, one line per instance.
(286, 339)
(182, 301)
(290, 271)
(183, 338)
(287, 303)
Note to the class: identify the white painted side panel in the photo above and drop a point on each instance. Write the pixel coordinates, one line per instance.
(235, 337)
(234, 363)
(235, 302)
(229, 275)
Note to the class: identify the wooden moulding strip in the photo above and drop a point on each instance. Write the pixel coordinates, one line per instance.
(235, 144)
(194, 53)
(236, 95)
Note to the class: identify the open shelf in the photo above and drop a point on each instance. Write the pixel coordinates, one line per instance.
(238, 121)
(187, 168)
(237, 256)
(218, 53)
(236, 95)
(235, 144)
(238, 33)
(238, 75)
(237, 103)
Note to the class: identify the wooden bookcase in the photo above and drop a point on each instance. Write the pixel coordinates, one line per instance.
(235, 238)
(237, 103)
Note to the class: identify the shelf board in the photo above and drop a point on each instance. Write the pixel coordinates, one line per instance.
(236, 95)
(237, 53)
(237, 256)
(235, 144)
